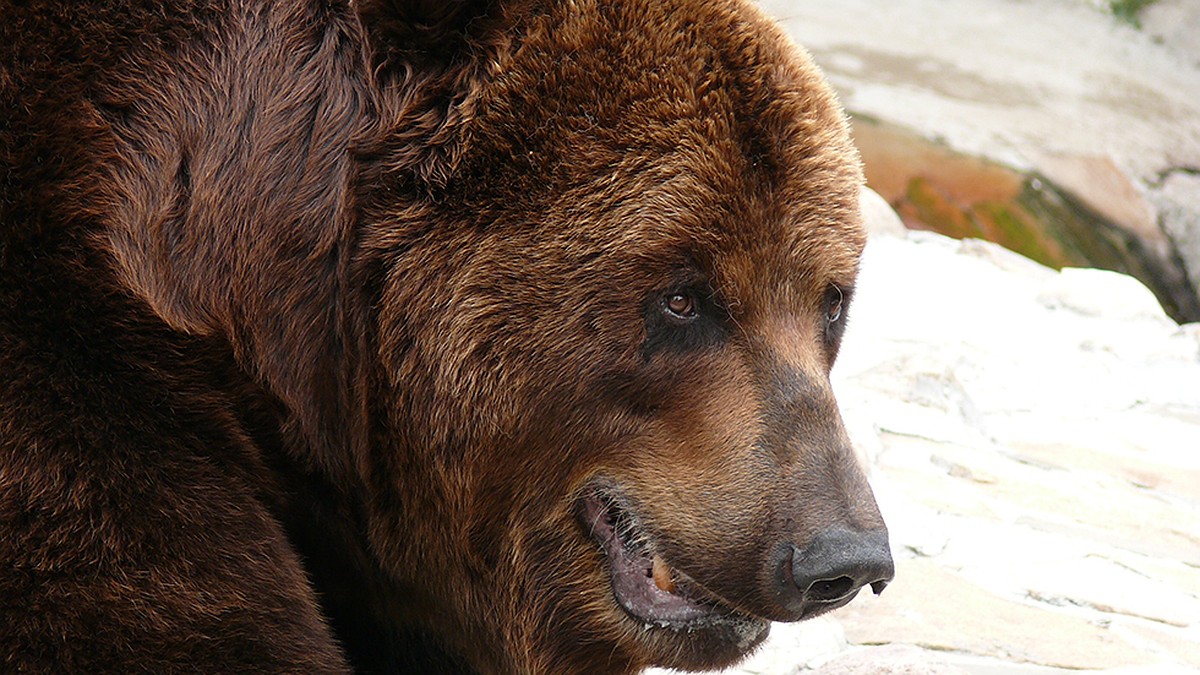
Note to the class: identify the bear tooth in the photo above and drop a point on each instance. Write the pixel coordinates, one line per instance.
(662, 574)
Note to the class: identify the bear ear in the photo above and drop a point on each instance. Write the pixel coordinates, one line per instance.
(427, 58)
(422, 32)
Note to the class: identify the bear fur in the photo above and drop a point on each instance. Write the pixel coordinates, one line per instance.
(389, 335)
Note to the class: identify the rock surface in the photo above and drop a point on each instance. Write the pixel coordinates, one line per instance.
(1034, 444)
(1057, 89)
(1009, 79)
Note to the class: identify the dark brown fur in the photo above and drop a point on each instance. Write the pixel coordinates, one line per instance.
(312, 334)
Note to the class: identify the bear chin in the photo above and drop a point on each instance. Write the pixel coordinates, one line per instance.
(672, 615)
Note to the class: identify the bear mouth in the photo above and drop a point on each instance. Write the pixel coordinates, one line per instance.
(647, 587)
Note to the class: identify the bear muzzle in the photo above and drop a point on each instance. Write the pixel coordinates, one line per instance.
(648, 588)
(803, 581)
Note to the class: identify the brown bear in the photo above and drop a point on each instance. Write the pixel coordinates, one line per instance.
(411, 336)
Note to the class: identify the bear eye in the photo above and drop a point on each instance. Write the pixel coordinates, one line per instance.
(834, 300)
(684, 318)
(681, 305)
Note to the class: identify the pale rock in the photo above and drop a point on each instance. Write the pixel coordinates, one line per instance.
(888, 660)
(878, 216)
(1175, 23)
(1009, 79)
(937, 609)
(1096, 293)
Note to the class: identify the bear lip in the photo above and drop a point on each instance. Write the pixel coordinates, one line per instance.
(630, 555)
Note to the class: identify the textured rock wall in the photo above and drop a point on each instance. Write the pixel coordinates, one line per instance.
(1034, 214)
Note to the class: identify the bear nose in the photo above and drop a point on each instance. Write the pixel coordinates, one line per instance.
(831, 569)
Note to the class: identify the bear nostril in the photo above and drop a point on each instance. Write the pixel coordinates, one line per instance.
(828, 590)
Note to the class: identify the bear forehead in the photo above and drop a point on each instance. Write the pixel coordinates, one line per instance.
(693, 127)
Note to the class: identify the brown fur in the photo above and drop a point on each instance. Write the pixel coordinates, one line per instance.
(316, 320)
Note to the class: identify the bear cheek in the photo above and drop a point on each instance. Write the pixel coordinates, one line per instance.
(700, 480)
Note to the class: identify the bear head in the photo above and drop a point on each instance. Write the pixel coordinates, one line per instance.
(611, 248)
